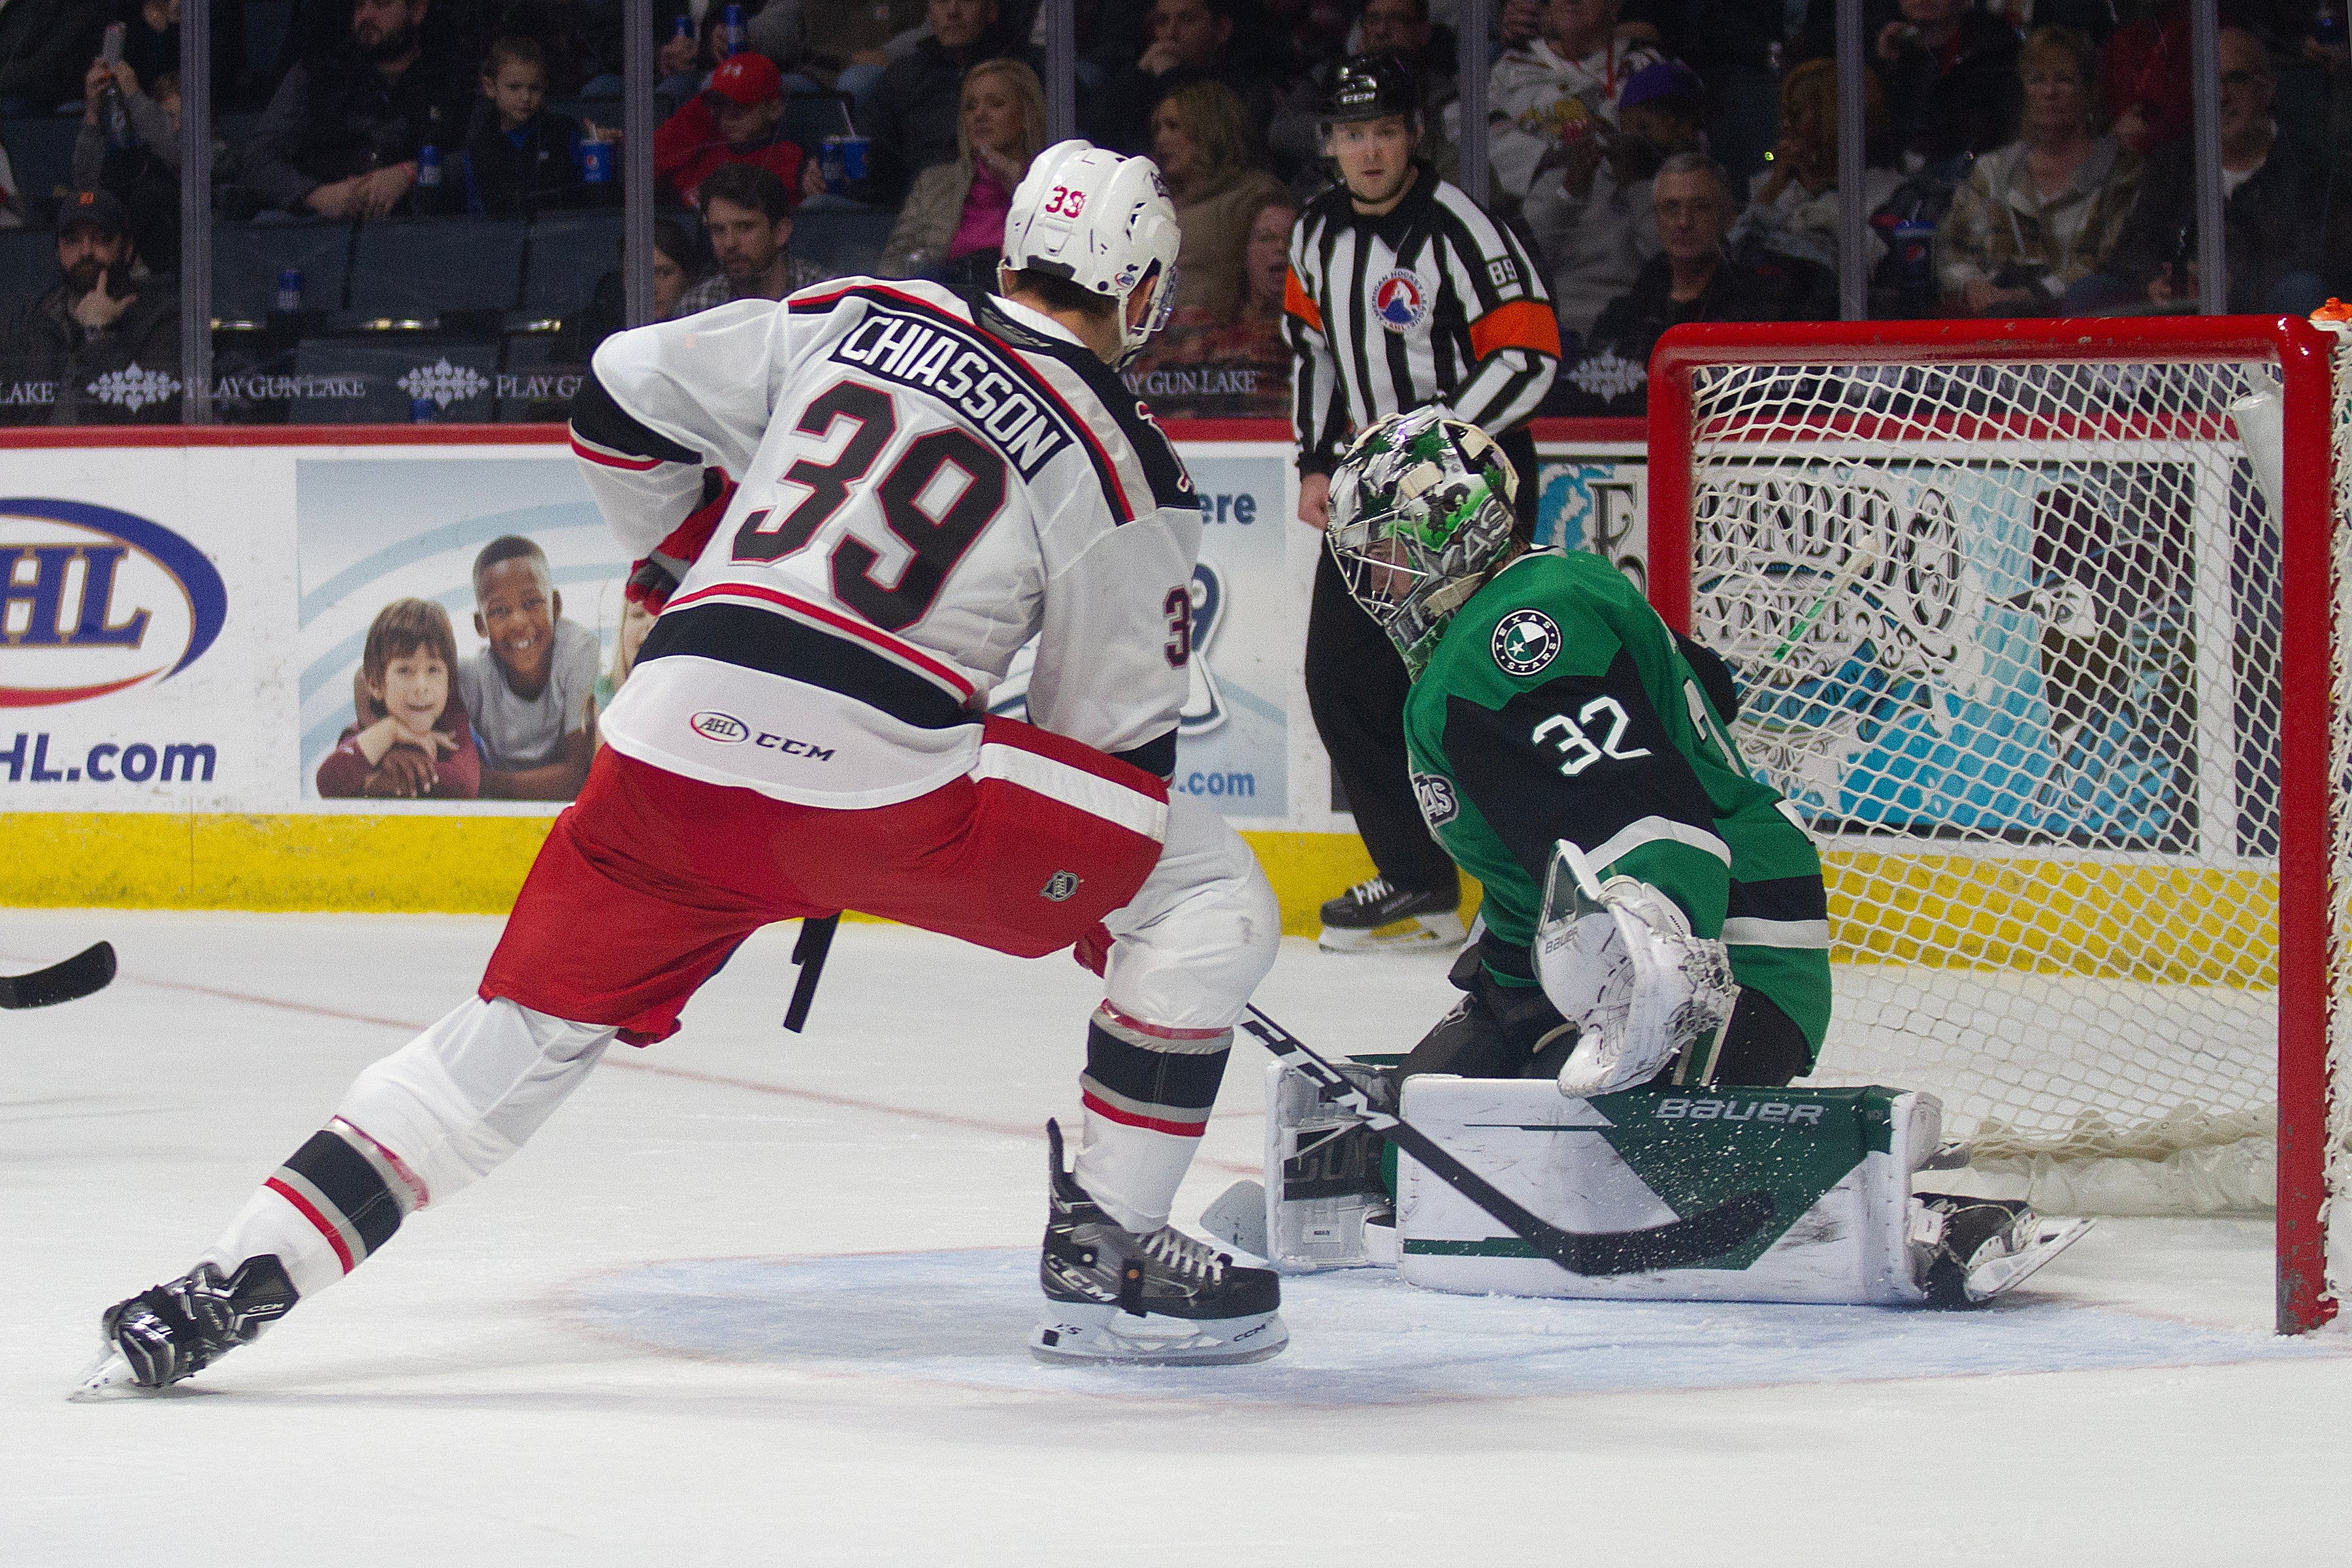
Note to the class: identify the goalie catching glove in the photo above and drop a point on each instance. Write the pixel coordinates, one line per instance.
(1618, 961)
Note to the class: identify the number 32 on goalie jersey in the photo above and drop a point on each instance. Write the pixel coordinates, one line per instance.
(938, 543)
(1573, 738)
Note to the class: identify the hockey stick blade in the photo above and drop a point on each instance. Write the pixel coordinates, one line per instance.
(84, 972)
(1678, 1243)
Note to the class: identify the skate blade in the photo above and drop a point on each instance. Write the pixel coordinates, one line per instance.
(108, 1377)
(1105, 1335)
(1425, 933)
(2002, 1275)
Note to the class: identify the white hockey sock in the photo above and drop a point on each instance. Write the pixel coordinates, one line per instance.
(417, 1127)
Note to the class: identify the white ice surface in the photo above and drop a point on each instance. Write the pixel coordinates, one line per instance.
(755, 1297)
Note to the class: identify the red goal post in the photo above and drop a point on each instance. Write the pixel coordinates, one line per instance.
(2035, 622)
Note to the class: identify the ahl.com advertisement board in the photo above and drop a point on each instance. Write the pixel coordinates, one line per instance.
(137, 672)
(189, 629)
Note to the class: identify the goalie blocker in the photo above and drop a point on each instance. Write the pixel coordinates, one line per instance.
(1837, 1164)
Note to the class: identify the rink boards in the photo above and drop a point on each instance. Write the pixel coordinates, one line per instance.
(185, 612)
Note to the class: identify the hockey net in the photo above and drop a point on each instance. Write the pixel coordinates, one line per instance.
(2014, 610)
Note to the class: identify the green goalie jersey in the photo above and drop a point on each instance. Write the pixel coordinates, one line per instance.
(1557, 705)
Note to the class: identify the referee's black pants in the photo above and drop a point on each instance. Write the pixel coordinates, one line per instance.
(1356, 687)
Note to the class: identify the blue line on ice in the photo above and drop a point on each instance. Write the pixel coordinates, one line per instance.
(1357, 1337)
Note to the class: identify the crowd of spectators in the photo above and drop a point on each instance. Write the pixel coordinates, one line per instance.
(2021, 156)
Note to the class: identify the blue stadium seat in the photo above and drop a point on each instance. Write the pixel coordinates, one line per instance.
(41, 150)
(247, 258)
(841, 236)
(422, 267)
(568, 251)
(267, 22)
(29, 263)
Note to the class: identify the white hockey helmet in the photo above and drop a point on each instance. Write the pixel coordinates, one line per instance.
(1103, 222)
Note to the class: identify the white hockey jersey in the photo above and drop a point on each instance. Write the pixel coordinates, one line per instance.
(927, 480)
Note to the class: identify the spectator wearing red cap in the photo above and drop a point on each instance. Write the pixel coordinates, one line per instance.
(737, 119)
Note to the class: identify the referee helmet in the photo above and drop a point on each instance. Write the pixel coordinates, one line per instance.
(1369, 87)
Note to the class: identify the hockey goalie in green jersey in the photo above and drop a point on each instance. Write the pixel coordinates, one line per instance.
(1655, 941)
(1653, 912)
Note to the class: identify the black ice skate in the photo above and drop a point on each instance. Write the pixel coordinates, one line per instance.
(1158, 1299)
(1374, 917)
(171, 1332)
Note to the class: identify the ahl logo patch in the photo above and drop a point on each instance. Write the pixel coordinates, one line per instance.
(1525, 641)
(1400, 300)
(1435, 797)
(724, 728)
(1061, 887)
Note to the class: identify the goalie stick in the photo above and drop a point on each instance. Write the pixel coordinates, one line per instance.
(84, 972)
(1676, 1245)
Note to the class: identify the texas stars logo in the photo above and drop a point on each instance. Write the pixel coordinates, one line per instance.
(1525, 641)
(1400, 302)
(1435, 795)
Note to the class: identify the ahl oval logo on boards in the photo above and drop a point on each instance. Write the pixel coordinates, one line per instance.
(94, 601)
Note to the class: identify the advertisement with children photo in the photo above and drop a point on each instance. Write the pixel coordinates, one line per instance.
(461, 622)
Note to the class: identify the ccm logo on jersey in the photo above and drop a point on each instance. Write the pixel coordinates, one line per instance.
(729, 730)
(953, 367)
(1739, 1110)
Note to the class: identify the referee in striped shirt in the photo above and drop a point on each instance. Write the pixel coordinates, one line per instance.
(1401, 293)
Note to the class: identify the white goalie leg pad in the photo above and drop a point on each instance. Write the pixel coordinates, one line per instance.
(1238, 1217)
(1322, 1178)
(1837, 1164)
(1618, 961)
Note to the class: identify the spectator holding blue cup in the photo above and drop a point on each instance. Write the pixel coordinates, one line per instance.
(518, 158)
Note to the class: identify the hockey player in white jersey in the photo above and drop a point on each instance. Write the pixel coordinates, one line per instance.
(926, 481)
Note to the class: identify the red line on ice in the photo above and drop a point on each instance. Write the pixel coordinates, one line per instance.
(817, 1097)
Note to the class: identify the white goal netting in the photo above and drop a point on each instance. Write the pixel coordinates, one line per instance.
(2008, 636)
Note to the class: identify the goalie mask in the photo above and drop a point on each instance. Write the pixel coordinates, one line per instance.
(1420, 510)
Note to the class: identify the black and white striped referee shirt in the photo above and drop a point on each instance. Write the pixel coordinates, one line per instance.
(1433, 301)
